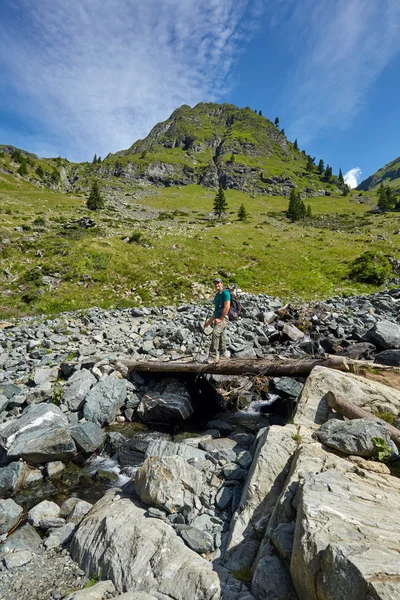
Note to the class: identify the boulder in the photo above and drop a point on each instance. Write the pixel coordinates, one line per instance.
(10, 514)
(40, 435)
(199, 541)
(346, 543)
(384, 334)
(145, 555)
(388, 357)
(362, 350)
(264, 483)
(60, 536)
(23, 538)
(77, 388)
(312, 409)
(181, 483)
(43, 510)
(105, 400)
(272, 578)
(164, 448)
(353, 437)
(169, 401)
(292, 333)
(12, 477)
(87, 436)
(18, 559)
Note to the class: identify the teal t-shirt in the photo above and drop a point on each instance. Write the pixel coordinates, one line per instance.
(219, 301)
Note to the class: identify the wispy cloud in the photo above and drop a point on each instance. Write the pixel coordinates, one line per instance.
(340, 50)
(101, 74)
(353, 177)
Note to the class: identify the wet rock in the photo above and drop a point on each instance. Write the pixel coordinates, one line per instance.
(88, 436)
(169, 401)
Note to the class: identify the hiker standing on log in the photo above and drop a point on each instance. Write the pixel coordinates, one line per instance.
(219, 320)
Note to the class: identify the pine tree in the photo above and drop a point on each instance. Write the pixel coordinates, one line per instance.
(99, 159)
(220, 203)
(310, 165)
(321, 167)
(95, 200)
(340, 177)
(346, 190)
(309, 213)
(94, 161)
(328, 172)
(292, 211)
(143, 154)
(242, 213)
(386, 198)
(282, 131)
(295, 145)
(276, 122)
(16, 155)
(260, 113)
(23, 168)
(39, 171)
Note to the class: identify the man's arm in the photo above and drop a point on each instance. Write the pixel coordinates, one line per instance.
(225, 310)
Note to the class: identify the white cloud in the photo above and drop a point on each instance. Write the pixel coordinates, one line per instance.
(353, 177)
(102, 74)
(340, 49)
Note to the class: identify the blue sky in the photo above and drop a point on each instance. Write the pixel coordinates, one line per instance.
(84, 77)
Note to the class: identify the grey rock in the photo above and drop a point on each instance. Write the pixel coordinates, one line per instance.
(60, 536)
(169, 401)
(282, 539)
(45, 375)
(43, 510)
(88, 436)
(362, 350)
(385, 335)
(67, 506)
(55, 468)
(105, 400)
(353, 437)
(10, 514)
(164, 448)
(146, 554)
(9, 390)
(223, 498)
(182, 483)
(312, 409)
(80, 510)
(388, 357)
(77, 388)
(199, 541)
(51, 523)
(23, 538)
(287, 387)
(12, 477)
(3, 402)
(272, 578)
(18, 559)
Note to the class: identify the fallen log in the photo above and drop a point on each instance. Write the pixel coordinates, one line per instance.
(352, 411)
(274, 367)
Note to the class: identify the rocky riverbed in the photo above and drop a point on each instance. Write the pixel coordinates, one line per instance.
(193, 498)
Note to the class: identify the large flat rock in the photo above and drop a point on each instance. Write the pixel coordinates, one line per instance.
(347, 538)
(145, 555)
(312, 409)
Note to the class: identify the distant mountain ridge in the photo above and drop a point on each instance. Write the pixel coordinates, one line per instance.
(388, 175)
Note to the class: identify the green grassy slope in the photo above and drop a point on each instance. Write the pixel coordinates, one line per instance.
(175, 245)
(388, 175)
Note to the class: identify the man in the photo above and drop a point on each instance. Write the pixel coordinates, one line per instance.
(219, 320)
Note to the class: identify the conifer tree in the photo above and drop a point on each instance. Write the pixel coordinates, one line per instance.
(386, 198)
(310, 165)
(328, 172)
(346, 190)
(308, 212)
(99, 159)
(260, 113)
(321, 167)
(220, 203)
(276, 122)
(16, 155)
(295, 145)
(23, 169)
(282, 131)
(340, 177)
(293, 212)
(94, 161)
(95, 200)
(242, 213)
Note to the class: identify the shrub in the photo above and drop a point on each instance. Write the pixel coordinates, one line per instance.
(135, 237)
(371, 268)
